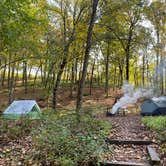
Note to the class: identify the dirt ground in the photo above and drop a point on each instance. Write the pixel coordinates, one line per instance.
(123, 127)
(65, 101)
(129, 127)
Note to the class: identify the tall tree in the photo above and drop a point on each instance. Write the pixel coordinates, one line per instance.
(68, 38)
(87, 55)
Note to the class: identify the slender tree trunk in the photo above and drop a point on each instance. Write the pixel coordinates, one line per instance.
(3, 75)
(86, 57)
(17, 76)
(161, 76)
(9, 70)
(11, 81)
(98, 76)
(72, 81)
(58, 79)
(157, 66)
(114, 84)
(147, 72)
(35, 78)
(107, 69)
(25, 77)
(76, 72)
(91, 78)
(80, 70)
(29, 74)
(41, 72)
(127, 51)
(143, 70)
(121, 74)
(61, 68)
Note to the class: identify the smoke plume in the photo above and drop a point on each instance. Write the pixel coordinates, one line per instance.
(131, 96)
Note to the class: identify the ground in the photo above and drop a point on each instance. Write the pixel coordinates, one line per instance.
(14, 152)
(98, 97)
(130, 127)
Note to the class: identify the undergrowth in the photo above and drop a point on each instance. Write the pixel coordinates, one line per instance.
(15, 129)
(61, 140)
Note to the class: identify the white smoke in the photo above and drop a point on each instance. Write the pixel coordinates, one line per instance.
(131, 96)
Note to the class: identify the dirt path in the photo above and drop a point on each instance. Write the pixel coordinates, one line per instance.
(129, 128)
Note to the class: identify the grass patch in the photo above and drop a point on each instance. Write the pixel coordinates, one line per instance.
(155, 123)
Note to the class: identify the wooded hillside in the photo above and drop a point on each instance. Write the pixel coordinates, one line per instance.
(81, 43)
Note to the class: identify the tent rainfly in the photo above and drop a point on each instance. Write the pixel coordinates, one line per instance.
(27, 108)
(154, 106)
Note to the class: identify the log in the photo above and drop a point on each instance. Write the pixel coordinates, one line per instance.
(154, 157)
(127, 142)
(110, 163)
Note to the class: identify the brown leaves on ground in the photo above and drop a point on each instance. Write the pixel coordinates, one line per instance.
(130, 128)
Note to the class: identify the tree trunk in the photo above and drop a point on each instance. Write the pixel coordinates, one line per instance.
(11, 81)
(91, 78)
(127, 51)
(58, 79)
(114, 84)
(25, 78)
(9, 71)
(143, 70)
(35, 78)
(29, 74)
(86, 57)
(61, 68)
(3, 75)
(121, 74)
(157, 66)
(72, 81)
(98, 76)
(107, 69)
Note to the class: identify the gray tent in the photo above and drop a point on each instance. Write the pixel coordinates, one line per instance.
(17, 109)
(154, 106)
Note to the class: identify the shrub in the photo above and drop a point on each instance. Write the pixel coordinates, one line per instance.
(62, 141)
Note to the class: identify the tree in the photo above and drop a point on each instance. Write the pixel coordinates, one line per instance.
(68, 38)
(86, 56)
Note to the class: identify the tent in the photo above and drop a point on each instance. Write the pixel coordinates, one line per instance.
(154, 106)
(21, 108)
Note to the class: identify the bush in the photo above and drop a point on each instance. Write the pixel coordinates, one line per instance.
(62, 141)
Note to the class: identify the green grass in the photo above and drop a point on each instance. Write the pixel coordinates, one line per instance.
(155, 123)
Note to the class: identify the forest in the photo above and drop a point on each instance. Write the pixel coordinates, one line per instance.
(74, 58)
